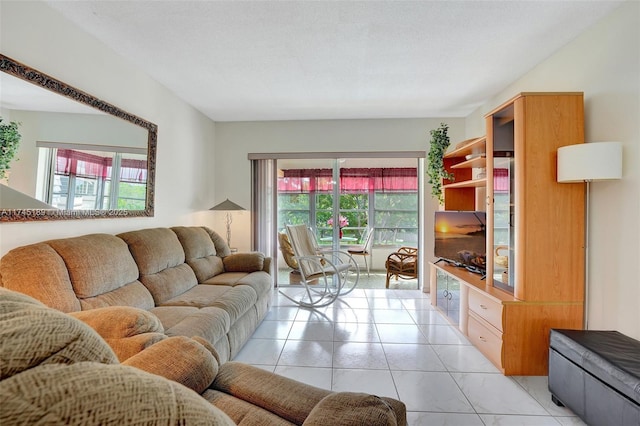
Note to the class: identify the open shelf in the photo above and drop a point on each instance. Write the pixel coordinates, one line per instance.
(478, 162)
(471, 146)
(475, 183)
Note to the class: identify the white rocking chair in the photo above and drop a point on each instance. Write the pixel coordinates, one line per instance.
(325, 275)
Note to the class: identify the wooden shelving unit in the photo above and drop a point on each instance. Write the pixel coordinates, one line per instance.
(508, 314)
(460, 192)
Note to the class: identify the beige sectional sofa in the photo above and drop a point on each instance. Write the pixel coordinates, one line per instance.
(186, 277)
(58, 370)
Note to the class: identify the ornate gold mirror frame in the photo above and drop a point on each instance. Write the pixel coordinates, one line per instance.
(21, 71)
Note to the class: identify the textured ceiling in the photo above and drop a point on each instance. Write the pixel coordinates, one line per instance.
(289, 60)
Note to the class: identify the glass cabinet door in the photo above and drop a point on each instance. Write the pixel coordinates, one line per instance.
(503, 216)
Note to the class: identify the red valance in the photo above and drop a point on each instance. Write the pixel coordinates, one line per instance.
(84, 164)
(397, 179)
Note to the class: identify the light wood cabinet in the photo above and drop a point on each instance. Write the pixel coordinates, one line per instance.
(535, 232)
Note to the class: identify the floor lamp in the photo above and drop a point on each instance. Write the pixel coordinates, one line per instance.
(227, 206)
(587, 162)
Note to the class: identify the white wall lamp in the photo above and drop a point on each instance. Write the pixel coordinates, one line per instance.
(587, 162)
(227, 206)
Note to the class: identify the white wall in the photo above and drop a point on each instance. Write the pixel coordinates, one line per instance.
(185, 137)
(604, 63)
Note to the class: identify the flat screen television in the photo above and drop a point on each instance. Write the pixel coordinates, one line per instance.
(460, 238)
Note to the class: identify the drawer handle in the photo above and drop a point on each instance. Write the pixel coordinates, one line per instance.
(482, 339)
(483, 306)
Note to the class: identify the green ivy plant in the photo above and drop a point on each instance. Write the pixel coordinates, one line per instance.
(435, 163)
(9, 142)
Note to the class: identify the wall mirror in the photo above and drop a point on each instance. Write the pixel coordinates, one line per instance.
(79, 157)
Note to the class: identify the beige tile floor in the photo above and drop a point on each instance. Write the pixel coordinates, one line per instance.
(392, 342)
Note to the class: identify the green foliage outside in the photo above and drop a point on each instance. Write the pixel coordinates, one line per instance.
(131, 196)
(396, 217)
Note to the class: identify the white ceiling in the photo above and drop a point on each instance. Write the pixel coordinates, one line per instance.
(290, 60)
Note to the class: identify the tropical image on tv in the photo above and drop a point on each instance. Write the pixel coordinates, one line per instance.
(460, 237)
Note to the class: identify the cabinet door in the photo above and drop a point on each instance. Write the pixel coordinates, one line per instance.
(453, 297)
(441, 294)
(503, 194)
(448, 296)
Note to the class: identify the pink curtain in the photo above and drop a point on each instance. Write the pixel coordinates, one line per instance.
(83, 164)
(501, 180)
(351, 180)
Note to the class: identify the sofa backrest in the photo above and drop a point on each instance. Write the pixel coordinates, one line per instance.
(161, 262)
(200, 251)
(80, 273)
(38, 271)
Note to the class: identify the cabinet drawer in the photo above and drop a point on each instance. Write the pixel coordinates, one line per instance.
(486, 308)
(485, 339)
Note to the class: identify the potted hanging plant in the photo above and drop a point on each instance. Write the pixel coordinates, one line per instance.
(9, 142)
(435, 161)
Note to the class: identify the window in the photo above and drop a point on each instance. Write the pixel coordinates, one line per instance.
(95, 180)
(386, 198)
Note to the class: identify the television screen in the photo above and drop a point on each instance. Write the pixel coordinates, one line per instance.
(460, 238)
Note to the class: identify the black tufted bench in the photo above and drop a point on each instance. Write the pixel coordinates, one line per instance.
(596, 374)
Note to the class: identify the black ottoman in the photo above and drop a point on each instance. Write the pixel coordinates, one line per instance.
(596, 374)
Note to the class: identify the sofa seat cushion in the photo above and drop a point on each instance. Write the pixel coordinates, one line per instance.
(234, 300)
(260, 281)
(610, 356)
(212, 324)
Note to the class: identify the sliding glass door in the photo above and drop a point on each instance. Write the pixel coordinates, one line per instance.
(339, 199)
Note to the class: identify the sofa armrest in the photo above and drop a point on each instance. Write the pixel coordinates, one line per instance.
(180, 359)
(244, 262)
(287, 398)
(93, 393)
(349, 408)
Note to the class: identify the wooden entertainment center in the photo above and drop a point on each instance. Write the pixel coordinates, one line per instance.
(534, 231)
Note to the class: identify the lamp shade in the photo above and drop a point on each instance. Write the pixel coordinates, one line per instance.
(590, 161)
(227, 205)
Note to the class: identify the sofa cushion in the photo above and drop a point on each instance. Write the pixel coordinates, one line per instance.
(93, 393)
(349, 408)
(199, 251)
(40, 272)
(102, 271)
(244, 262)
(212, 324)
(222, 249)
(97, 263)
(160, 259)
(285, 397)
(61, 339)
(260, 281)
(234, 300)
